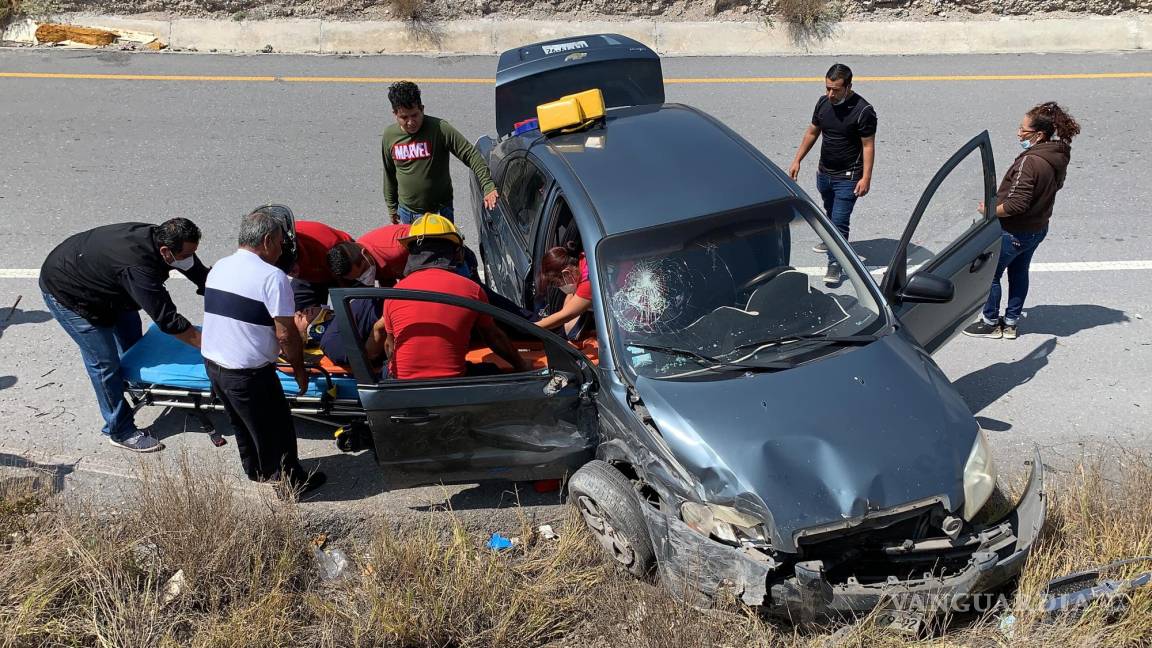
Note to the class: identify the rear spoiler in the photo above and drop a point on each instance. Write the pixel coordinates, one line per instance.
(626, 71)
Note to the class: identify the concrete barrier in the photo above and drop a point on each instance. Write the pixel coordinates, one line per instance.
(715, 38)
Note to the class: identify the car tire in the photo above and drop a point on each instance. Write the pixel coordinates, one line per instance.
(611, 511)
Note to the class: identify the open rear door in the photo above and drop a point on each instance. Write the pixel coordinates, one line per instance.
(941, 272)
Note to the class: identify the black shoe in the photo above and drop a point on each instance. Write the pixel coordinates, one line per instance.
(1009, 330)
(299, 484)
(983, 329)
(834, 275)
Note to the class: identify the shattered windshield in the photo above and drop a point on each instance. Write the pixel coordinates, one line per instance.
(738, 290)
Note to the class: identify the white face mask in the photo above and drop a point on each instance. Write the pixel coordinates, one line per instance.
(182, 264)
(368, 277)
(568, 289)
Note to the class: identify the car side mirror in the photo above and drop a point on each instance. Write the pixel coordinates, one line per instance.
(927, 288)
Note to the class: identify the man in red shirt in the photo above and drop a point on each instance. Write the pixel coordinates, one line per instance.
(428, 340)
(311, 277)
(376, 257)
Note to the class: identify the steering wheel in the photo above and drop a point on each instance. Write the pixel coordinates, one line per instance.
(763, 277)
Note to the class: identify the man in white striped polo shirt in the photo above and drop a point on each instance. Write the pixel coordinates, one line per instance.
(248, 322)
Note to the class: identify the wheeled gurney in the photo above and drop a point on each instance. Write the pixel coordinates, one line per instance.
(162, 371)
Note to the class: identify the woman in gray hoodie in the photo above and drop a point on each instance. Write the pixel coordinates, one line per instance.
(1024, 205)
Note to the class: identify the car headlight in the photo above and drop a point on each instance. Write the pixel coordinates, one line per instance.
(979, 477)
(722, 522)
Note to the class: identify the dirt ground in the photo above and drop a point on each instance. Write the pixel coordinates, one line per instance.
(436, 10)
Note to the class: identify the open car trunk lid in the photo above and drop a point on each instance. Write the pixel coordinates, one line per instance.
(625, 70)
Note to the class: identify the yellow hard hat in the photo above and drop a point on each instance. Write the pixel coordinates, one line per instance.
(432, 226)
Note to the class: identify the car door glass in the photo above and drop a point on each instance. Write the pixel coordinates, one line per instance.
(951, 213)
(524, 192)
(443, 342)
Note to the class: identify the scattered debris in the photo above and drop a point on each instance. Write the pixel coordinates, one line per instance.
(332, 562)
(499, 543)
(30, 32)
(546, 532)
(173, 588)
(267, 49)
(1007, 625)
(58, 33)
(1069, 596)
(45, 374)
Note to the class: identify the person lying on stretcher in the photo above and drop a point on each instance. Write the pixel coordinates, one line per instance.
(321, 334)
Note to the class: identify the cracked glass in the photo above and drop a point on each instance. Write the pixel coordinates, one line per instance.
(745, 289)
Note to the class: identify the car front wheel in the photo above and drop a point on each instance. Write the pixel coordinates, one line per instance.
(610, 508)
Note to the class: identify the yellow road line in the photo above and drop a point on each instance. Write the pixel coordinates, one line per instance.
(952, 77)
(488, 81)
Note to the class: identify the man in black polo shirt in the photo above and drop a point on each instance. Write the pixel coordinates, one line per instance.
(848, 124)
(96, 282)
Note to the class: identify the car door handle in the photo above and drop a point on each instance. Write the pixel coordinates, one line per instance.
(979, 262)
(413, 419)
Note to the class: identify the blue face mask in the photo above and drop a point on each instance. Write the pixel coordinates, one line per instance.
(1025, 144)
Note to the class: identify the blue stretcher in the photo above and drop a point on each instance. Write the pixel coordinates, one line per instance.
(163, 371)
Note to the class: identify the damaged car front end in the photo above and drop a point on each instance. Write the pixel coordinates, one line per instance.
(822, 463)
(893, 560)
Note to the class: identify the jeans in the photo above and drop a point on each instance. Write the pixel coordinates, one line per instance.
(839, 196)
(407, 215)
(102, 347)
(1016, 252)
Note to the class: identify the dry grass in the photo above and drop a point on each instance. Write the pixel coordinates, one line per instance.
(411, 10)
(12, 9)
(70, 575)
(809, 21)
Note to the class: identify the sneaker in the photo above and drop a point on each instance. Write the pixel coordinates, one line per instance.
(834, 274)
(1009, 331)
(820, 248)
(137, 442)
(983, 329)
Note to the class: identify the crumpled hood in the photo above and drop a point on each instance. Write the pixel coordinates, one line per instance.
(865, 430)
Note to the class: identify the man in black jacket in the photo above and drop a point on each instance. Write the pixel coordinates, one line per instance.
(96, 282)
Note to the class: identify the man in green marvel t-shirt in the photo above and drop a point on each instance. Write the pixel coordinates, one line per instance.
(415, 150)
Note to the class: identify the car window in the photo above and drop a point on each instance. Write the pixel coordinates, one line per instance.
(951, 212)
(441, 341)
(523, 192)
(739, 287)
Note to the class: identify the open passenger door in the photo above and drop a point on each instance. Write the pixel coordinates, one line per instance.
(942, 269)
(538, 424)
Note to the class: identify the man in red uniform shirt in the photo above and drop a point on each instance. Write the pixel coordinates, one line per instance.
(428, 340)
(376, 257)
(311, 277)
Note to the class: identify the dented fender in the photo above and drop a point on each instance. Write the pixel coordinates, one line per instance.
(691, 564)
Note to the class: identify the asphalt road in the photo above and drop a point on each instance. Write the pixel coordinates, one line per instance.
(79, 152)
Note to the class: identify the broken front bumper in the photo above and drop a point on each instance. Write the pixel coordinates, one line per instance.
(691, 564)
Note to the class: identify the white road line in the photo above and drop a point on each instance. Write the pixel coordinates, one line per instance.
(19, 273)
(1067, 266)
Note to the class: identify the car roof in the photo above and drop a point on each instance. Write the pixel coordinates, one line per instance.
(649, 165)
